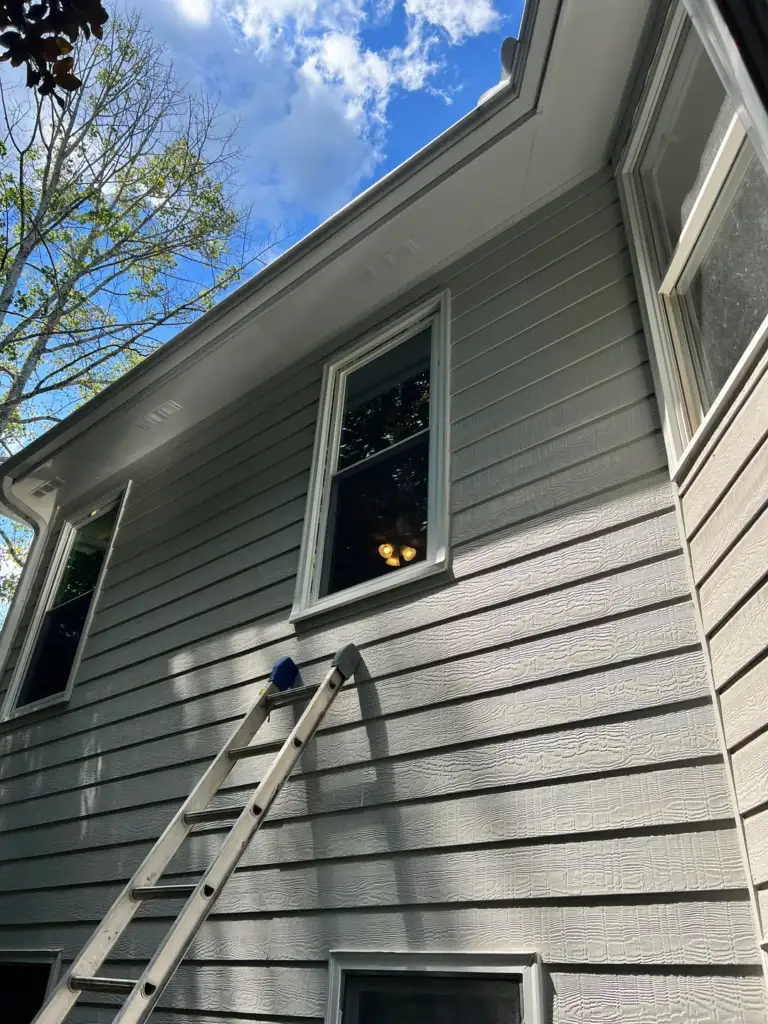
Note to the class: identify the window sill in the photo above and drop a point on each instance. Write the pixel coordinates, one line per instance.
(382, 585)
(38, 705)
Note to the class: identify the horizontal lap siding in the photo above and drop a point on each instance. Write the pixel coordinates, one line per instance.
(725, 510)
(533, 762)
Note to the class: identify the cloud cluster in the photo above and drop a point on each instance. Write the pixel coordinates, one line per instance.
(324, 73)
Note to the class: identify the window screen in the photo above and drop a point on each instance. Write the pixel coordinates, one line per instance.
(377, 515)
(431, 999)
(61, 630)
(24, 985)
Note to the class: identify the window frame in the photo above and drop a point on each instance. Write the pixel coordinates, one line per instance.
(307, 601)
(527, 965)
(37, 956)
(687, 423)
(70, 524)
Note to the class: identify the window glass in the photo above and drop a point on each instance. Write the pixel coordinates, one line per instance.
(688, 129)
(377, 513)
(62, 627)
(712, 277)
(386, 400)
(426, 999)
(728, 293)
(24, 985)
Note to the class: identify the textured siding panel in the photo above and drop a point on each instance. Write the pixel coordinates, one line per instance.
(725, 510)
(533, 762)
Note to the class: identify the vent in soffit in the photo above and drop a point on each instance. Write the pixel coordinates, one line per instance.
(47, 486)
(162, 412)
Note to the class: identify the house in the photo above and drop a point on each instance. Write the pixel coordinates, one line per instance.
(502, 422)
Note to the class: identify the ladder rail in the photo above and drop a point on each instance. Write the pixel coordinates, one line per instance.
(120, 914)
(182, 933)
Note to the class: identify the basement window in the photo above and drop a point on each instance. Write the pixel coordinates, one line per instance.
(433, 988)
(55, 639)
(377, 507)
(27, 978)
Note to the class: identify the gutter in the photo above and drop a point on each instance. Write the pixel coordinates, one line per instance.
(13, 507)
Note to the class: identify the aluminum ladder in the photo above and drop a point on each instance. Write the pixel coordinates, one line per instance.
(143, 993)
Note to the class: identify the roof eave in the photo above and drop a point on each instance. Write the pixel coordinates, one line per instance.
(172, 352)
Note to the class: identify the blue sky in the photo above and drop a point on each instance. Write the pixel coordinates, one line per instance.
(331, 94)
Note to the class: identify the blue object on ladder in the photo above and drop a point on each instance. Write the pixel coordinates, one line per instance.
(284, 673)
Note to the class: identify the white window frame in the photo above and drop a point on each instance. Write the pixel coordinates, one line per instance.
(70, 525)
(528, 966)
(308, 602)
(686, 423)
(36, 956)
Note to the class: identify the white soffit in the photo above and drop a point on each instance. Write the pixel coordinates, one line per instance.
(391, 245)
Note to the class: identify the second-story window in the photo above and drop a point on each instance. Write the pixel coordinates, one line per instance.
(698, 196)
(377, 507)
(50, 661)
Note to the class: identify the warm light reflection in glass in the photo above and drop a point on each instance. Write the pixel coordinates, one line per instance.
(392, 554)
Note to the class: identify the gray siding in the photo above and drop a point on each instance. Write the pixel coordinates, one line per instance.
(534, 762)
(725, 508)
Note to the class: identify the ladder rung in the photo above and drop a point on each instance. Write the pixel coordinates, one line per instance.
(279, 700)
(238, 753)
(161, 892)
(214, 814)
(120, 986)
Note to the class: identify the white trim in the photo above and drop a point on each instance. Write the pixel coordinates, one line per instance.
(724, 401)
(69, 527)
(307, 602)
(686, 421)
(36, 956)
(669, 375)
(699, 225)
(528, 965)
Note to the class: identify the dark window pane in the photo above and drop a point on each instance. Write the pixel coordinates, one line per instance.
(86, 557)
(384, 503)
(56, 646)
(386, 400)
(55, 650)
(24, 986)
(383, 999)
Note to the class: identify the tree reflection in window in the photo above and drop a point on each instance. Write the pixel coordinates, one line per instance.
(377, 522)
(62, 627)
(386, 400)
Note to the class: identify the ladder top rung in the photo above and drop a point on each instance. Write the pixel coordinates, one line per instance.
(214, 814)
(280, 699)
(161, 892)
(120, 986)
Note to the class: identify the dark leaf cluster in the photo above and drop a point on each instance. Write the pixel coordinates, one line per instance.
(41, 35)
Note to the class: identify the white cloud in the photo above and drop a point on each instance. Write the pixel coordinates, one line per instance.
(318, 154)
(294, 23)
(459, 18)
(312, 89)
(196, 11)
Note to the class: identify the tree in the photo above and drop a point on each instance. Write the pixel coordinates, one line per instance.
(42, 34)
(118, 223)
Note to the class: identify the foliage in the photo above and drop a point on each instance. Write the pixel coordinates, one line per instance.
(118, 223)
(42, 35)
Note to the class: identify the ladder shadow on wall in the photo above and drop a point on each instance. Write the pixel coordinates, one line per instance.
(404, 885)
